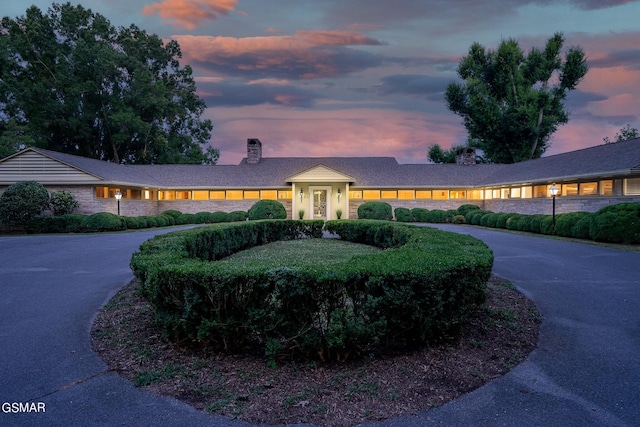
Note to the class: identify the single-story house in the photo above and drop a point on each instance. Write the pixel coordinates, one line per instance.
(588, 179)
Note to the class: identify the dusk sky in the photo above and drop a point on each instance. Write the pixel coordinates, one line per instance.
(367, 77)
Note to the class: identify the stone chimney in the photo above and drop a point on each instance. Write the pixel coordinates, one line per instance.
(254, 151)
(466, 156)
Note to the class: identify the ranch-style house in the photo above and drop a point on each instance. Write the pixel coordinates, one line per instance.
(588, 179)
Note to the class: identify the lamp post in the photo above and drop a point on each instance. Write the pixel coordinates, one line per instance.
(339, 194)
(118, 197)
(301, 195)
(554, 192)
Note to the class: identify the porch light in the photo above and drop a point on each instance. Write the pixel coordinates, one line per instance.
(554, 189)
(339, 194)
(301, 194)
(118, 197)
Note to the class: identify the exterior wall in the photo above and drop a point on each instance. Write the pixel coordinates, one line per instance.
(410, 204)
(195, 206)
(563, 204)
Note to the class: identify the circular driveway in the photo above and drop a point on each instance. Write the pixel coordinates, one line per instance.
(585, 371)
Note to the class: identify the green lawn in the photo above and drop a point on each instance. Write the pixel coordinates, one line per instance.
(299, 253)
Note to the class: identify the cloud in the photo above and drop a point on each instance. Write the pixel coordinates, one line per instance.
(599, 4)
(413, 84)
(236, 95)
(190, 13)
(305, 55)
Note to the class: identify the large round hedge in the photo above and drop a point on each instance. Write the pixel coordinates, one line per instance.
(420, 288)
(267, 209)
(22, 201)
(375, 210)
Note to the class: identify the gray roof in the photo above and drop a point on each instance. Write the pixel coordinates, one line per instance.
(617, 159)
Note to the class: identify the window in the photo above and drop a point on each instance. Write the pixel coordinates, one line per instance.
(588, 188)
(132, 194)
(371, 194)
(570, 189)
(102, 192)
(285, 195)
(269, 194)
(251, 194)
(505, 193)
(217, 195)
(423, 194)
(515, 193)
(389, 194)
(355, 194)
(183, 195)
(200, 195)
(234, 194)
(475, 194)
(526, 192)
(488, 194)
(458, 194)
(632, 186)
(440, 194)
(540, 191)
(606, 187)
(406, 194)
(166, 195)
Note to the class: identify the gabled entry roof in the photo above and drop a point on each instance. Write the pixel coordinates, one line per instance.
(320, 173)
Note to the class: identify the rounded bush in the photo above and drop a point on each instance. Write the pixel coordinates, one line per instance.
(172, 212)
(546, 225)
(566, 221)
(633, 207)
(524, 223)
(237, 216)
(202, 218)
(535, 222)
(375, 210)
(185, 219)
(613, 226)
(512, 221)
(267, 209)
(437, 216)
(63, 202)
(491, 220)
(580, 230)
(420, 214)
(22, 201)
(152, 221)
(219, 217)
(131, 222)
(484, 219)
(103, 221)
(464, 209)
(458, 219)
(501, 221)
(403, 215)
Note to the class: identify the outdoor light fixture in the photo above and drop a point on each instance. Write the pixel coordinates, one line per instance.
(118, 197)
(301, 194)
(554, 189)
(339, 194)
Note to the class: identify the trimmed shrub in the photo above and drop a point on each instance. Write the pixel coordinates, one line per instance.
(535, 223)
(185, 219)
(70, 223)
(546, 225)
(375, 210)
(501, 221)
(436, 216)
(512, 221)
(475, 216)
(524, 223)
(172, 212)
(566, 221)
(458, 219)
(421, 288)
(484, 219)
(202, 218)
(63, 202)
(22, 201)
(267, 209)
(219, 216)
(580, 230)
(237, 216)
(152, 221)
(131, 222)
(403, 215)
(420, 214)
(491, 219)
(464, 209)
(632, 207)
(103, 221)
(615, 226)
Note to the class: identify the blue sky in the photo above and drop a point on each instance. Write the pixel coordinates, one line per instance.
(367, 77)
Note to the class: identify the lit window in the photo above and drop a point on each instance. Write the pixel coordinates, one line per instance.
(505, 193)
(540, 191)
(588, 188)
(102, 192)
(488, 194)
(475, 194)
(285, 195)
(458, 194)
(570, 189)
(183, 195)
(269, 194)
(526, 192)
(406, 194)
(389, 194)
(217, 195)
(440, 194)
(515, 193)
(355, 194)
(423, 194)
(606, 187)
(251, 194)
(147, 194)
(200, 195)
(166, 195)
(234, 194)
(132, 194)
(371, 194)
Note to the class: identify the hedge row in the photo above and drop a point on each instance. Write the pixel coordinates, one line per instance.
(423, 286)
(614, 224)
(104, 221)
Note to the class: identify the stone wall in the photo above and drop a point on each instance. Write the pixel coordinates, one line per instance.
(563, 204)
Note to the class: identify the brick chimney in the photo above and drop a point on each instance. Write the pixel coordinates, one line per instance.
(254, 151)
(466, 156)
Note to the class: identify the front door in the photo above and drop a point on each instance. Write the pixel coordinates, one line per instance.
(320, 204)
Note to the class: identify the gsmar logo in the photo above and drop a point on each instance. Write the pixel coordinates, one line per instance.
(20, 407)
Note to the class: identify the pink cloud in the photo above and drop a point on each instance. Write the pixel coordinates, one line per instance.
(190, 13)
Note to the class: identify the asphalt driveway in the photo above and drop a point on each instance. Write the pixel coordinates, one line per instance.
(585, 372)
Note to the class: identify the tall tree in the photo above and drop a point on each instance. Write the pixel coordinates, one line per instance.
(74, 83)
(626, 132)
(512, 103)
